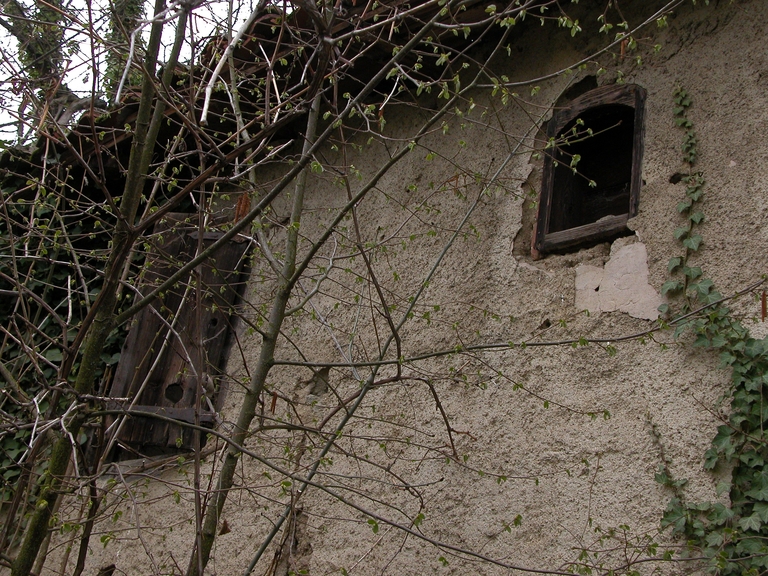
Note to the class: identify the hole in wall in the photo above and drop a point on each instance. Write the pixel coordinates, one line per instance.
(174, 393)
(606, 161)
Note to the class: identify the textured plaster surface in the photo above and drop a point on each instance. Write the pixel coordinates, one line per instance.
(622, 284)
(568, 438)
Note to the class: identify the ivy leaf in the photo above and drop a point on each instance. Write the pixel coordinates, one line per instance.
(751, 523)
(752, 459)
(750, 547)
(671, 286)
(53, 355)
(111, 360)
(696, 217)
(692, 272)
(693, 242)
(718, 341)
(713, 296)
(759, 494)
(705, 286)
(711, 458)
(674, 263)
(684, 206)
(754, 348)
(681, 232)
(715, 539)
(761, 509)
(752, 384)
(720, 489)
(722, 441)
(702, 341)
(674, 516)
(720, 513)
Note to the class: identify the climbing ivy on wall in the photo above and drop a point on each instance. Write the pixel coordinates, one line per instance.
(57, 252)
(734, 538)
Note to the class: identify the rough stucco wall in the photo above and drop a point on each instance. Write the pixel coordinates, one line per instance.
(525, 414)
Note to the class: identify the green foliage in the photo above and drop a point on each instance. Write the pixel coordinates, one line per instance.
(49, 281)
(735, 538)
(41, 39)
(686, 233)
(124, 18)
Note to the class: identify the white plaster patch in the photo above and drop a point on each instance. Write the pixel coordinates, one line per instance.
(621, 285)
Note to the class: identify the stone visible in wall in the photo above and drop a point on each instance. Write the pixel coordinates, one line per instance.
(621, 285)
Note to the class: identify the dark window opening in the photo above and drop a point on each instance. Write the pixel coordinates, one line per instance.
(600, 187)
(592, 175)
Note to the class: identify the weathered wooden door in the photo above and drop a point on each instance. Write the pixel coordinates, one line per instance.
(180, 340)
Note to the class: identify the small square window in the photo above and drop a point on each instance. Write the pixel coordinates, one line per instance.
(592, 176)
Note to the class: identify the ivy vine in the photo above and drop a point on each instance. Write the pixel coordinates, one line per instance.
(734, 538)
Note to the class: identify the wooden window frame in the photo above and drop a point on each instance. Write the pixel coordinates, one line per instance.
(630, 95)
